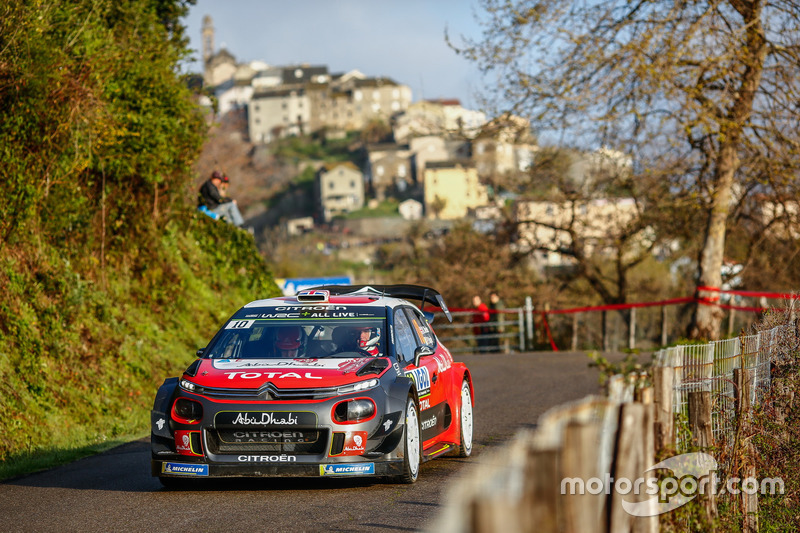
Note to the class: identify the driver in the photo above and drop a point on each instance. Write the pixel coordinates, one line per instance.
(368, 340)
(287, 341)
(357, 339)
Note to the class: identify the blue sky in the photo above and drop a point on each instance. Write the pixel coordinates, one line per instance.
(402, 40)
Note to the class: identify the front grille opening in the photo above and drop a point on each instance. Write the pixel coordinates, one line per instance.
(337, 444)
(296, 441)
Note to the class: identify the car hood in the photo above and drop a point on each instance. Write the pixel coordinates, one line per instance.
(283, 373)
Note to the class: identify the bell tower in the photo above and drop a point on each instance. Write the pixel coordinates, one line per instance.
(208, 40)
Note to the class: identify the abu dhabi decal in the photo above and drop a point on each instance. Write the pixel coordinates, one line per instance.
(355, 443)
(183, 442)
(422, 378)
(443, 362)
(265, 418)
(356, 469)
(182, 469)
(235, 364)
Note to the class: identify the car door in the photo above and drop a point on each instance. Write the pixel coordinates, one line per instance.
(412, 332)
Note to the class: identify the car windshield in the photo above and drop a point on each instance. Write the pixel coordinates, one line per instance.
(298, 339)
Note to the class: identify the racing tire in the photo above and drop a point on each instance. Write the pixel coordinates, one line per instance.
(412, 445)
(465, 422)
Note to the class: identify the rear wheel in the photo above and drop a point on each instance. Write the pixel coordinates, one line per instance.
(411, 445)
(465, 448)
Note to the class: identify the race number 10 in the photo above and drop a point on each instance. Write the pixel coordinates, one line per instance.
(239, 324)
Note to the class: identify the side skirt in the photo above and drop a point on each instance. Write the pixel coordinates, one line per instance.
(436, 450)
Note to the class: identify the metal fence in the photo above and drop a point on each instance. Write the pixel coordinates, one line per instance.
(709, 367)
(504, 333)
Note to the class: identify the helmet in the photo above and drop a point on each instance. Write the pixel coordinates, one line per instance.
(354, 338)
(288, 340)
(368, 339)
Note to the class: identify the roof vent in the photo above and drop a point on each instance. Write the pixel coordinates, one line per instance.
(313, 296)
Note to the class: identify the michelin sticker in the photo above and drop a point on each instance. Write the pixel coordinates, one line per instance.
(347, 469)
(184, 469)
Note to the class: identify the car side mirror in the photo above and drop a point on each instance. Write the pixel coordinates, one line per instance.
(200, 352)
(421, 352)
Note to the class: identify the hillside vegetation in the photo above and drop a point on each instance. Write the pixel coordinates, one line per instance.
(110, 278)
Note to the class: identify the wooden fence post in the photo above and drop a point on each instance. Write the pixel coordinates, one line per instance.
(582, 512)
(663, 383)
(540, 493)
(702, 437)
(628, 463)
(632, 329)
(574, 332)
(749, 501)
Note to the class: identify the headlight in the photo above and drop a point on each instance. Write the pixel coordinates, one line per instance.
(357, 387)
(351, 411)
(189, 386)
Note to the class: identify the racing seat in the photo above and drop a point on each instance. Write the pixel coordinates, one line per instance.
(344, 339)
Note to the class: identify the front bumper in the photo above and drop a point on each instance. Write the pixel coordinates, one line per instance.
(211, 448)
(181, 469)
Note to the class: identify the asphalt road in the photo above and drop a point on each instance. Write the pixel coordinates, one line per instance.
(114, 491)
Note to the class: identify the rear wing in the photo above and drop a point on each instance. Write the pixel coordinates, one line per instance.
(414, 292)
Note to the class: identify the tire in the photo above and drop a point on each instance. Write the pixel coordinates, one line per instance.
(412, 445)
(465, 421)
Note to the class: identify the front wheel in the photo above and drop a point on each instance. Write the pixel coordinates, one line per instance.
(465, 448)
(411, 445)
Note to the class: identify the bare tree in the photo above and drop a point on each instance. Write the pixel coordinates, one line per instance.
(703, 94)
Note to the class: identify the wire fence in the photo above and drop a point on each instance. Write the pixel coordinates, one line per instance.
(710, 367)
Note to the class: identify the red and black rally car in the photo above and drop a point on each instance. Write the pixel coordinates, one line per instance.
(335, 381)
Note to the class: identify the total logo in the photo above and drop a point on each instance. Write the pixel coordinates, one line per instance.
(424, 404)
(347, 470)
(270, 375)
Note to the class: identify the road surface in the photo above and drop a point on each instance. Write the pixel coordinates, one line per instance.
(114, 491)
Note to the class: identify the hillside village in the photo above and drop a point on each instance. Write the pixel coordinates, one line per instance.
(434, 159)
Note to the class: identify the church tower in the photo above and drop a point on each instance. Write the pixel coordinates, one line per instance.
(208, 40)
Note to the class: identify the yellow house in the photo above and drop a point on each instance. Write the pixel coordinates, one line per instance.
(452, 189)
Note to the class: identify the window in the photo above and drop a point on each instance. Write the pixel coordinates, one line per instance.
(422, 328)
(352, 184)
(404, 336)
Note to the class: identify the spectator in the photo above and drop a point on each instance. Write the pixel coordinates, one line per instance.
(497, 328)
(213, 201)
(480, 319)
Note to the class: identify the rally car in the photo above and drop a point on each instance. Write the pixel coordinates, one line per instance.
(335, 381)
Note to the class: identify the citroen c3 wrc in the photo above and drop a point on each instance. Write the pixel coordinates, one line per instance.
(335, 381)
